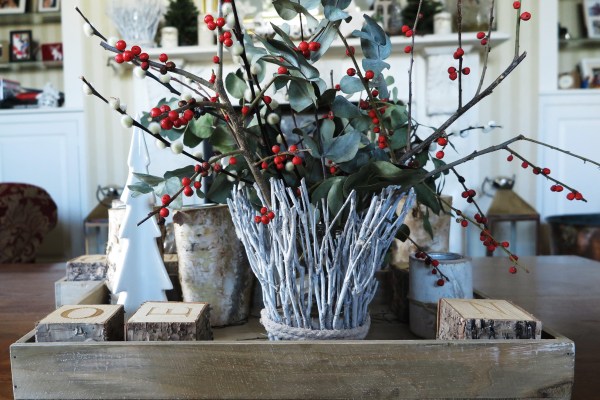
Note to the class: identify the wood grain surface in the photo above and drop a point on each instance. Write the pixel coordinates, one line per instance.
(560, 290)
(26, 296)
(401, 369)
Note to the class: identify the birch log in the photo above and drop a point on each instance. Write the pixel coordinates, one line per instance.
(485, 319)
(212, 264)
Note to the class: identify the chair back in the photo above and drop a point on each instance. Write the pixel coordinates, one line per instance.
(27, 214)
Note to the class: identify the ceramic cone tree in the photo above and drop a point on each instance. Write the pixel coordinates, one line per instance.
(140, 274)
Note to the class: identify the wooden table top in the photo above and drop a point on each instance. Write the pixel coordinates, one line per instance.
(26, 296)
(561, 290)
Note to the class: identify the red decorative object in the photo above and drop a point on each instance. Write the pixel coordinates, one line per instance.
(27, 214)
(52, 52)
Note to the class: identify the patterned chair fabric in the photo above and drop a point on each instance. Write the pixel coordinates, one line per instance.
(27, 214)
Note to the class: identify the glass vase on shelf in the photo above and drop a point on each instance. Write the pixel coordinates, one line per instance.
(475, 15)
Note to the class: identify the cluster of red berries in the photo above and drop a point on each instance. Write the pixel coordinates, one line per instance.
(525, 16)
(421, 255)
(575, 195)
(168, 65)
(280, 159)
(173, 118)
(469, 195)
(458, 53)
(129, 55)
(369, 74)
(407, 31)
(187, 186)
(265, 216)
(164, 211)
(204, 168)
(482, 36)
(491, 245)
(480, 219)
(453, 72)
(307, 47)
(442, 141)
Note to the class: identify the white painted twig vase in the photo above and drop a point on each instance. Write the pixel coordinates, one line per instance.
(424, 292)
(317, 270)
(212, 264)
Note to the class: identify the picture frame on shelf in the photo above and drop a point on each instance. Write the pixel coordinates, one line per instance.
(20, 46)
(591, 12)
(590, 72)
(12, 6)
(48, 5)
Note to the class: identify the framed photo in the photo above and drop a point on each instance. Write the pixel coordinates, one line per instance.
(590, 72)
(20, 46)
(52, 52)
(591, 12)
(48, 5)
(12, 6)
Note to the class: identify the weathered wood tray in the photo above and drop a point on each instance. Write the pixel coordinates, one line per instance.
(241, 364)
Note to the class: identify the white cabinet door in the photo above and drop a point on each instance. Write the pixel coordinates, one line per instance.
(44, 148)
(570, 120)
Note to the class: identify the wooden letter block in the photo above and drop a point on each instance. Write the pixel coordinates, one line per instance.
(78, 323)
(485, 319)
(87, 268)
(156, 320)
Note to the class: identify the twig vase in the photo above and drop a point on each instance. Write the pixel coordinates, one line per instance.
(316, 269)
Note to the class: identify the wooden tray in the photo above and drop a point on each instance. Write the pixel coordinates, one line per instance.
(241, 364)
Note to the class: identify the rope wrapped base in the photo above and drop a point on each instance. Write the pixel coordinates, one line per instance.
(278, 331)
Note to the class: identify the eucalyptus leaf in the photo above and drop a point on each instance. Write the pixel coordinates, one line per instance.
(220, 189)
(426, 195)
(290, 9)
(335, 196)
(235, 85)
(140, 188)
(189, 138)
(221, 140)
(283, 35)
(326, 36)
(327, 98)
(342, 108)
(375, 30)
(351, 85)
(333, 13)
(312, 146)
(376, 66)
(149, 179)
(403, 233)
(180, 172)
(327, 130)
(203, 126)
(301, 95)
(344, 147)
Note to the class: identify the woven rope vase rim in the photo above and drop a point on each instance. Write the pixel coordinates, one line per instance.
(285, 332)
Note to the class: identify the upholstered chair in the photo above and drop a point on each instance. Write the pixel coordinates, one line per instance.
(27, 214)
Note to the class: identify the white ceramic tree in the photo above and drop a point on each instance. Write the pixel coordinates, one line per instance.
(140, 273)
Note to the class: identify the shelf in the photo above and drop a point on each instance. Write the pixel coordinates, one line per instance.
(29, 18)
(30, 65)
(579, 43)
(205, 53)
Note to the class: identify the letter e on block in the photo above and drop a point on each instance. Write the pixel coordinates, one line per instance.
(157, 320)
(78, 323)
